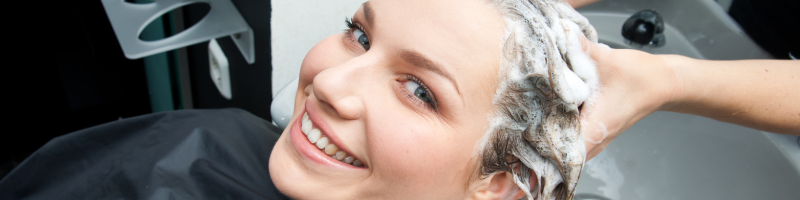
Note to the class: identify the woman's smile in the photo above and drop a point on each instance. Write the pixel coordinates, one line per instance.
(316, 141)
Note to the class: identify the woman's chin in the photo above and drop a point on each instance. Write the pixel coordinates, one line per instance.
(296, 169)
(286, 172)
(294, 181)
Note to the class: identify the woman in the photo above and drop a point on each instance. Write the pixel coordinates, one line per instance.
(412, 101)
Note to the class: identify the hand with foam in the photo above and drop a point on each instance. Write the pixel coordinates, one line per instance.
(633, 84)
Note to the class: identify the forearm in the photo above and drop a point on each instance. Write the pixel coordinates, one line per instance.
(580, 3)
(761, 94)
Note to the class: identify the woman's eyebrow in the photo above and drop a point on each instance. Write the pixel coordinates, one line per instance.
(368, 13)
(412, 57)
(418, 60)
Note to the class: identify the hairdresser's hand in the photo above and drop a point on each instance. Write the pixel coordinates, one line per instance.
(633, 84)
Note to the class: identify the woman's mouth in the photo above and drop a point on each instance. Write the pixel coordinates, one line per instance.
(321, 141)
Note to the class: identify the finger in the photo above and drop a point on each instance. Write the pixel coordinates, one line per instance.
(594, 50)
(594, 131)
(594, 125)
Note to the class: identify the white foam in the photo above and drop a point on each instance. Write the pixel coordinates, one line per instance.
(545, 75)
(582, 64)
(578, 90)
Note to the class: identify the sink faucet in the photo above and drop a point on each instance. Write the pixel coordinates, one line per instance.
(644, 29)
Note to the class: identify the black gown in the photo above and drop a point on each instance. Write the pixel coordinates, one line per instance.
(187, 154)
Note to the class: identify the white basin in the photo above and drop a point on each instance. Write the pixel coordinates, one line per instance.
(677, 156)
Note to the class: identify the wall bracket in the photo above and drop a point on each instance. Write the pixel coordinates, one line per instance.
(129, 19)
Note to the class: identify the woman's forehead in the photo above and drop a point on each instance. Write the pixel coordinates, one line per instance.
(464, 36)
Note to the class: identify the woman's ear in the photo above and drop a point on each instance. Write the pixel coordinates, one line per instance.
(499, 185)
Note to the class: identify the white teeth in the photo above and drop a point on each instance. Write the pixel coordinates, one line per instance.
(339, 155)
(307, 125)
(306, 128)
(322, 142)
(314, 135)
(349, 159)
(331, 149)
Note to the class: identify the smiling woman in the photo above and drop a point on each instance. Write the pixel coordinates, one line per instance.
(419, 99)
(390, 97)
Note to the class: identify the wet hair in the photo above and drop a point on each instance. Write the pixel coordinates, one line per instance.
(536, 125)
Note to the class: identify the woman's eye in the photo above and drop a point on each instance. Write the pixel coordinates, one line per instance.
(418, 91)
(361, 38)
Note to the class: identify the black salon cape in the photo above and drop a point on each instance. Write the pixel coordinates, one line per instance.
(188, 154)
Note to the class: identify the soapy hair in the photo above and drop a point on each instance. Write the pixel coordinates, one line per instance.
(536, 126)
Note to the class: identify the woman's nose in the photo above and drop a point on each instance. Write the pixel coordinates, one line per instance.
(342, 87)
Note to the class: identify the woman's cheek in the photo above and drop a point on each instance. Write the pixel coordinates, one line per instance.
(414, 152)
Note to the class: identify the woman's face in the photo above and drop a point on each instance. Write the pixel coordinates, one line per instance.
(406, 91)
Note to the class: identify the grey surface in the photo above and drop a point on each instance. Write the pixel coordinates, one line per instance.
(678, 156)
(609, 27)
(725, 4)
(703, 24)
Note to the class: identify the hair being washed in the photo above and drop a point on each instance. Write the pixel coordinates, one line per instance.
(536, 125)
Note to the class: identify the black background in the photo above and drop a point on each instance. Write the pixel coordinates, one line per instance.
(65, 71)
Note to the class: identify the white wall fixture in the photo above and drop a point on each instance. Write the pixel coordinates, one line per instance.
(282, 106)
(129, 19)
(220, 70)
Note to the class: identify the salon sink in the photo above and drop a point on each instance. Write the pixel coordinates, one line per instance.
(677, 156)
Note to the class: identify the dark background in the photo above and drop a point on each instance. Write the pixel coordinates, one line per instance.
(65, 71)
(772, 24)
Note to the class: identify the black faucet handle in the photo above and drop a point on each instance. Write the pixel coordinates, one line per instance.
(644, 28)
